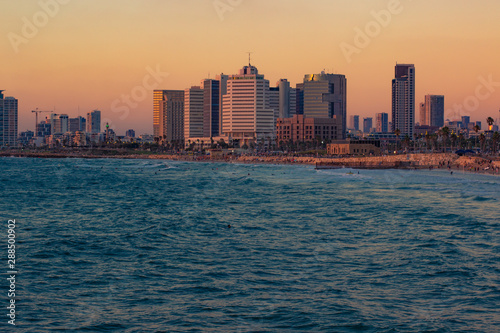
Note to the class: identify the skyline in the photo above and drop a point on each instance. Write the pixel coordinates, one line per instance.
(89, 54)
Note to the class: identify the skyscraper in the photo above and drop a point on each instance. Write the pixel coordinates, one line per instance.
(299, 98)
(157, 99)
(222, 78)
(465, 121)
(274, 102)
(325, 96)
(354, 122)
(382, 122)
(246, 112)
(8, 121)
(367, 125)
(94, 122)
(130, 133)
(171, 114)
(433, 111)
(211, 107)
(403, 99)
(59, 123)
(77, 124)
(287, 99)
(193, 112)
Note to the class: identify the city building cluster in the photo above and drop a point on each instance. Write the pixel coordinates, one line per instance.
(58, 130)
(244, 110)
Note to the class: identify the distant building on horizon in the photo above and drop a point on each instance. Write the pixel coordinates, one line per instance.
(432, 111)
(367, 125)
(130, 133)
(354, 122)
(94, 122)
(25, 138)
(403, 99)
(299, 98)
(465, 121)
(382, 122)
(8, 121)
(77, 124)
(43, 129)
(325, 96)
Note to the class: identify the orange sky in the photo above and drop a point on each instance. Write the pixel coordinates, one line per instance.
(88, 54)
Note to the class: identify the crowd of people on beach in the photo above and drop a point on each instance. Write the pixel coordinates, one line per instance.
(472, 164)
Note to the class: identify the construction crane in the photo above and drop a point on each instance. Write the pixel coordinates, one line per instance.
(36, 111)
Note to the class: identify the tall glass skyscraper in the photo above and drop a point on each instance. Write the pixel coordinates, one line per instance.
(211, 107)
(8, 121)
(94, 122)
(382, 122)
(403, 99)
(325, 96)
(432, 112)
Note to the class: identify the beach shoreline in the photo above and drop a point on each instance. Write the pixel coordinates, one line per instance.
(443, 161)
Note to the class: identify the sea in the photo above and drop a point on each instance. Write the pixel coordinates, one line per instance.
(116, 245)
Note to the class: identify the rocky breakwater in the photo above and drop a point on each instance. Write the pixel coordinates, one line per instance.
(371, 162)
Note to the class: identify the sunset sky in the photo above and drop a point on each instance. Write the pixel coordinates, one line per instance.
(87, 54)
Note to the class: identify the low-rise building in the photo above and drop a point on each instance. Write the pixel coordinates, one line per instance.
(301, 129)
(354, 147)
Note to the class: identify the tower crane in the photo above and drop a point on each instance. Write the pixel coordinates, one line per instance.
(36, 111)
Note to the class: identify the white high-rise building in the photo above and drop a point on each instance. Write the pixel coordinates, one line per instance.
(193, 112)
(403, 100)
(246, 114)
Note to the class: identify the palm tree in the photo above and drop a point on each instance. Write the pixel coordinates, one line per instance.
(460, 139)
(406, 142)
(398, 133)
(445, 133)
(476, 129)
(495, 138)
(453, 140)
(482, 139)
(428, 140)
(490, 122)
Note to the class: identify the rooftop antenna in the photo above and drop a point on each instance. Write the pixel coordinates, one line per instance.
(249, 57)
